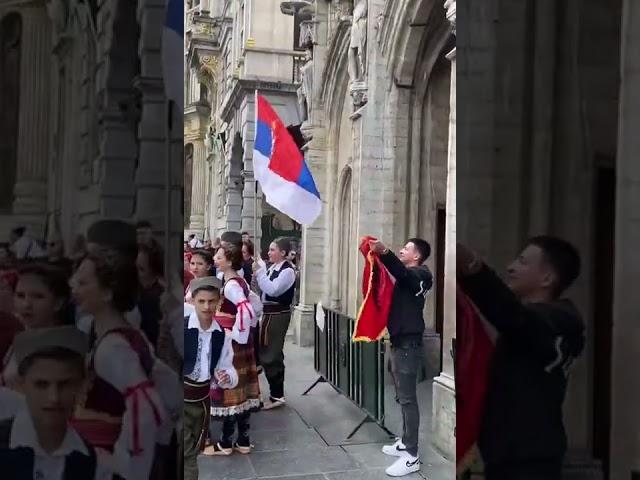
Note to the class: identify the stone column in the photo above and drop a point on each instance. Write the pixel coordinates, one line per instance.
(625, 415)
(34, 127)
(198, 187)
(444, 403)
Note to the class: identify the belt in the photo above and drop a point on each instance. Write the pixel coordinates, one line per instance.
(196, 391)
(275, 308)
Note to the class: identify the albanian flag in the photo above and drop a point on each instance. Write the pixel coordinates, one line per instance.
(377, 289)
(474, 350)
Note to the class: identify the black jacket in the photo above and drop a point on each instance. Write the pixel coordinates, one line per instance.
(406, 317)
(536, 345)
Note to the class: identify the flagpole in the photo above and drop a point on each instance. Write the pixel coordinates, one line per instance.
(168, 194)
(255, 186)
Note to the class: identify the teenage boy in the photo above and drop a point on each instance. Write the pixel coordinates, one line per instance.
(208, 360)
(406, 328)
(37, 442)
(540, 334)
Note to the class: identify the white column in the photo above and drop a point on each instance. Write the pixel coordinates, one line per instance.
(625, 415)
(444, 404)
(198, 186)
(33, 140)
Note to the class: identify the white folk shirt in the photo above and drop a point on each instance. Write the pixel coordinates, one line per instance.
(202, 369)
(245, 316)
(126, 379)
(50, 466)
(277, 286)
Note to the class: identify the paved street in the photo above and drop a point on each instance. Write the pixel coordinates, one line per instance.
(306, 440)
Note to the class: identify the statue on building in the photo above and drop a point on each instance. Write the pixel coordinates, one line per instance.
(305, 92)
(358, 45)
(209, 140)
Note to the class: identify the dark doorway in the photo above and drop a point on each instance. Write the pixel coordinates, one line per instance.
(603, 312)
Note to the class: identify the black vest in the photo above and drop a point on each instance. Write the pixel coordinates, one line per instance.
(18, 463)
(191, 348)
(286, 299)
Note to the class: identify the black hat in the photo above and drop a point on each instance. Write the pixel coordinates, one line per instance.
(115, 234)
(32, 341)
(232, 237)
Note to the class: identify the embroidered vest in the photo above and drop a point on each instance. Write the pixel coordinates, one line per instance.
(286, 299)
(191, 348)
(98, 418)
(18, 463)
(226, 314)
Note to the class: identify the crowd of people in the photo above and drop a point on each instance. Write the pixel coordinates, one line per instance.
(237, 311)
(91, 353)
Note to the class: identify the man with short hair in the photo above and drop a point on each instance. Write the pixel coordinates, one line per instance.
(208, 362)
(406, 328)
(540, 334)
(37, 442)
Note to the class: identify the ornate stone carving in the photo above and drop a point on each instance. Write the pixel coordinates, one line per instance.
(305, 92)
(307, 34)
(359, 94)
(358, 43)
(450, 6)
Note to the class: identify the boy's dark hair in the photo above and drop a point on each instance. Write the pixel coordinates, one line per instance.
(117, 273)
(60, 354)
(423, 247)
(19, 231)
(244, 233)
(563, 258)
(143, 224)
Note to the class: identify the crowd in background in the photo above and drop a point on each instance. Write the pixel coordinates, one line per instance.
(110, 285)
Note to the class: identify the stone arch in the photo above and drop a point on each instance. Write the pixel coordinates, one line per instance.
(10, 59)
(342, 244)
(420, 89)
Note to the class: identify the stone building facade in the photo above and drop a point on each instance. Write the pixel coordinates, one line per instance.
(233, 48)
(82, 127)
(549, 103)
(381, 132)
(371, 84)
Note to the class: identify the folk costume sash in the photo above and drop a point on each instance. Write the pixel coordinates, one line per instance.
(474, 350)
(377, 289)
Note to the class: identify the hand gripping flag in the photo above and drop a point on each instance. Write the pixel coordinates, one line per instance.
(474, 350)
(280, 168)
(377, 289)
(173, 53)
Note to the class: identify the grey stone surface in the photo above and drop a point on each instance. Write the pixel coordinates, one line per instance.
(306, 440)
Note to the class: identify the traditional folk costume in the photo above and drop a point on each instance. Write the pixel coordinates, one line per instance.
(278, 287)
(21, 455)
(204, 352)
(121, 412)
(237, 317)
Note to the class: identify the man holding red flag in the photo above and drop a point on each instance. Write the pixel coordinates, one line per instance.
(540, 334)
(406, 326)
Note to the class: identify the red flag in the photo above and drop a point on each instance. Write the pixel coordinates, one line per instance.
(474, 350)
(377, 289)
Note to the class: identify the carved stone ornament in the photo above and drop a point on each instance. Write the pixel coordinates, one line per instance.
(58, 12)
(359, 94)
(209, 65)
(450, 6)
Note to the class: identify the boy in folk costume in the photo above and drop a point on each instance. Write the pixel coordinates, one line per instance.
(36, 440)
(236, 316)
(208, 357)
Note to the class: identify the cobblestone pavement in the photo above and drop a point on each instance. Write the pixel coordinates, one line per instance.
(306, 439)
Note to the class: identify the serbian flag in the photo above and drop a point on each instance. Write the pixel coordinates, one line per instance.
(474, 350)
(280, 168)
(377, 289)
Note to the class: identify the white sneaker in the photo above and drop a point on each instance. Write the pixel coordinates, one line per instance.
(274, 403)
(395, 450)
(405, 465)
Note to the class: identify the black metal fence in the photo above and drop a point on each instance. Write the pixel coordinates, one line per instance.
(356, 370)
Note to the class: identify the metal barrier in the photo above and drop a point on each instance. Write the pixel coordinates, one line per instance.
(355, 370)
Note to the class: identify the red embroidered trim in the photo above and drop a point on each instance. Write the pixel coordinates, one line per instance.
(134, 393)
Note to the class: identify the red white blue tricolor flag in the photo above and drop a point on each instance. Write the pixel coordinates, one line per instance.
(280, 168)
(173, 52)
